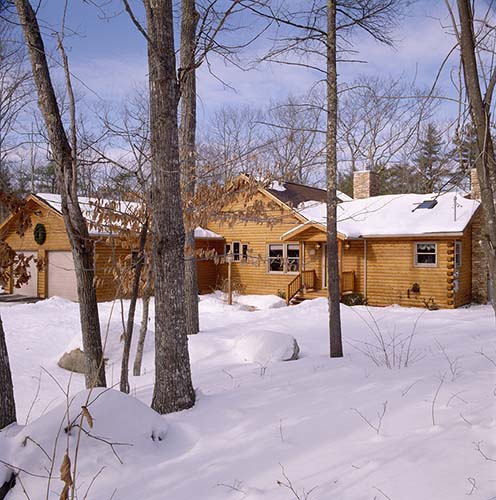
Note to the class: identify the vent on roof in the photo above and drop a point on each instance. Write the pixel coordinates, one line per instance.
(428, 204)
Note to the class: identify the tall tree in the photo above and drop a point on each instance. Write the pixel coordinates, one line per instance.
(336, 344)
(173, 388)
(471, 51)
(187, 151)
(66, 165)
(311, 33)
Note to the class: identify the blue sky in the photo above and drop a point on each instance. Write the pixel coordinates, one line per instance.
(109, 56)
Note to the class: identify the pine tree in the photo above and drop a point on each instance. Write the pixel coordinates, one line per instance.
(431, 162)
(465, 152)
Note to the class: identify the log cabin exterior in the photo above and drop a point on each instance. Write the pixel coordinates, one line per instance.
(411, 250)
(56, 277)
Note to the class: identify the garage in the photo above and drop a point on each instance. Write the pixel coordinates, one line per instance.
(30, 289)
(61, 275)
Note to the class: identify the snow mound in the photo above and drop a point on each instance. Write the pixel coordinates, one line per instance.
(217, 302)
(261, 301)
(266, 346)
(119, 429)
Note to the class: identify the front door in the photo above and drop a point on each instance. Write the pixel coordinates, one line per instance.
(324, 265)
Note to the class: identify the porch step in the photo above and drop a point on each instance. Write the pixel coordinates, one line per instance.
(297, 299)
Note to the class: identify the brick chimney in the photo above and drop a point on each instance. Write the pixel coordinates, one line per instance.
(475, 190)
(365, 184)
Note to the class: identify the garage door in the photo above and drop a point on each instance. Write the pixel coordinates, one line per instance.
(30, 289)
(61, 275)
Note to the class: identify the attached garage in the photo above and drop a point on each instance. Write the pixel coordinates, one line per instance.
(61, 275)
(47, 240)
(30, 289)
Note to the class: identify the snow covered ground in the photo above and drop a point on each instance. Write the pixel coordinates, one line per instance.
(259, 429)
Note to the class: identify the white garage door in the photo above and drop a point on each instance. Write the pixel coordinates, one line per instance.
(30, 289)
(61, 275)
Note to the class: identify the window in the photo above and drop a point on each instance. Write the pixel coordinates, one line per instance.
(293, 258)
(236, 250)
(276, 258)
(458, 254)
(427, 204)
(283, 258)
(426, 254)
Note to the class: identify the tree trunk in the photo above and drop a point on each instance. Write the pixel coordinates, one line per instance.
(128, 336)
(336, 346)
(173, 389)
(7, 402)
(77, 230)
(144, 327)
(187, 150)
(480, 111)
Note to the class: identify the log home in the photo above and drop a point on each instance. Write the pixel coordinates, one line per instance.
(406, 249)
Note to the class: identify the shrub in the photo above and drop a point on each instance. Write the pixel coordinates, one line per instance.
(353, 299)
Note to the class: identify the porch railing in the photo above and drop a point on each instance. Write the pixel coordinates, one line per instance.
(292, 288)
(302, 281)
(308, 279)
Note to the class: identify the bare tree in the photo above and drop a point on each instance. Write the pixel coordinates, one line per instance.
(64, 151)
(295, 139)
(15, 96)
(379, 118)
(187, 151)
(173, 388)
(318, 37)
(336, 344)
(234, 142)
(476, 40)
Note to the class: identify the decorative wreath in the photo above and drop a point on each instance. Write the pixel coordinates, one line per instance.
(39, 234)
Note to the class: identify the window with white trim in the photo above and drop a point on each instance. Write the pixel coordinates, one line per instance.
(458, 254)
(293, 258)
(276, 258)
(238, 250)
(425, 254)
(283, 258)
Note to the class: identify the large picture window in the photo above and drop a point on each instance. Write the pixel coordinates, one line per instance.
(426, 254)
(283, 258)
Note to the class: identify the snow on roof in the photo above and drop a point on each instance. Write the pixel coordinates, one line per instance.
(343, 196)
(277, 186)
(206, 233)
(88, 207)
(396, 215)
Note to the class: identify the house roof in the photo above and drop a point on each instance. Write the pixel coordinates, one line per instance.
(89, 209)
(396, 215)
(294, 194)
